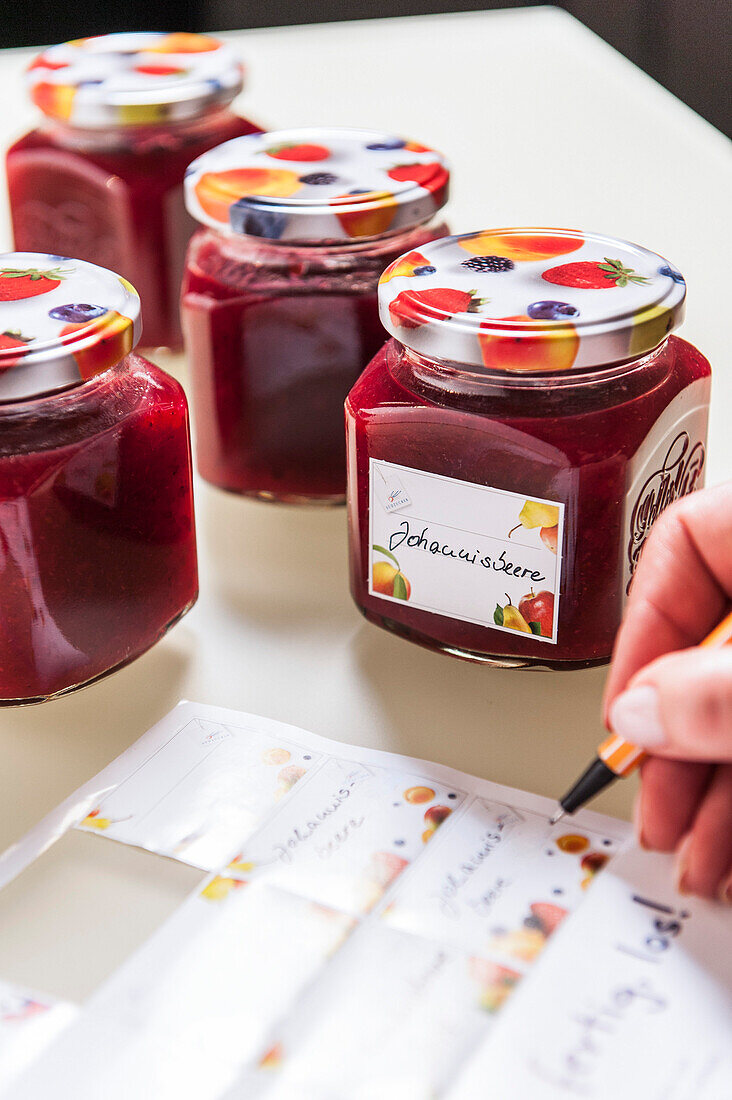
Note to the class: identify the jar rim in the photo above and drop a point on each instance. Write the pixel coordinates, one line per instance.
(319, 243)
(474, 375)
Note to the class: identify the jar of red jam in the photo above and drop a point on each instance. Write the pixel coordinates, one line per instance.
(102, 177)
(97, 543)
(279, 295)
(511, 447)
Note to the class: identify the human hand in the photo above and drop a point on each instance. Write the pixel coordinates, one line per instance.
(678, 705)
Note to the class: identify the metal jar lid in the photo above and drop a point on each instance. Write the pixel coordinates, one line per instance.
(134, 79)
(62, 322)
(317, 184)
(531, 299)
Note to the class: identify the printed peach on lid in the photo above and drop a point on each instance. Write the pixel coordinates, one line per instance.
(530, 299)
(317, 184)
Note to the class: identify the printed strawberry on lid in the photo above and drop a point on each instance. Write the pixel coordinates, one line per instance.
(62, 321)
(317, 184)
(531, 299)
(134, 79)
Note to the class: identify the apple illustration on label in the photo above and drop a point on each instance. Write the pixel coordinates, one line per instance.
(436, 815)
(433, 818)
(538, 609)
(548, 536)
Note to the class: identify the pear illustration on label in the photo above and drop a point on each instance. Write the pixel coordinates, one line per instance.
(94, 821)
(241, 865)
(534, 614)
(510, 618)
(220, 887)
(535, 513)
(387, 579)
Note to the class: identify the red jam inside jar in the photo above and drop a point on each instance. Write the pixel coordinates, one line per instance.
(279, 301)
(102, 178)
(510, 448)
(97, 540)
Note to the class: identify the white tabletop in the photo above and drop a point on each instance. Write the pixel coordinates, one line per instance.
(544, 125)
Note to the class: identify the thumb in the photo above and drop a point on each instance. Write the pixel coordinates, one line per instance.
(680, 706)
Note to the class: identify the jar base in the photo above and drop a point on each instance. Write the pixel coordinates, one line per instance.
(34, 700)
(492, 660)
(328, 500)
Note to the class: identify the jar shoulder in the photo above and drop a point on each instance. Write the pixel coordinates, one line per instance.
(692, 364)
(133, 388)
(390, 378)
(137, 161)
(583, 422)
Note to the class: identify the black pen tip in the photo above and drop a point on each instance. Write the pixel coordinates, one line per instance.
(591, 782)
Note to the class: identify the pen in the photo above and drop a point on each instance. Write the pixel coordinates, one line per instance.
(616, 757)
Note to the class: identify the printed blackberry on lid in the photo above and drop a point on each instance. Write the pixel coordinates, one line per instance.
(317, 184)
(531, 299)
(62, 321)
(134, 79)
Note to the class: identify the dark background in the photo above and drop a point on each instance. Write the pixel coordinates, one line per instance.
(684, 45)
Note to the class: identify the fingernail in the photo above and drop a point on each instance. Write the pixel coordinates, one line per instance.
(682, 865)
(635, 716)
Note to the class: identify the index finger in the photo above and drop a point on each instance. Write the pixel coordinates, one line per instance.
(682, 586)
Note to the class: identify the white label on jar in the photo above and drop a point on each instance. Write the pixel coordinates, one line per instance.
(467, 551)
(668, 464)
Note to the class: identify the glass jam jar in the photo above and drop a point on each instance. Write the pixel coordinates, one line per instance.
(97, 543)
(102, 177)
(279, 295)
(510, 448)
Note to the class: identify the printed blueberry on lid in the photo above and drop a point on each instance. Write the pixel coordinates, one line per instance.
(62, 321)
(531, 299)
(134, 79)
(317, 184)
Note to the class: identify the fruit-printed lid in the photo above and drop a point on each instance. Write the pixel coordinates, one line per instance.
(317, 185)
(134, 79)
(61, 322)
(531, 299)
